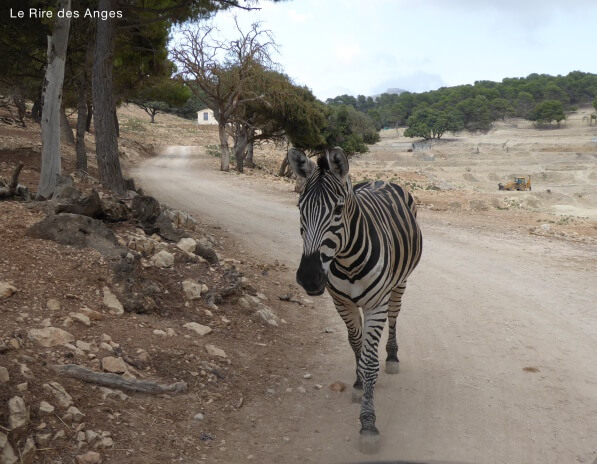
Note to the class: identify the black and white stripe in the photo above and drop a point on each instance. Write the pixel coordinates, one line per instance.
(361, 243)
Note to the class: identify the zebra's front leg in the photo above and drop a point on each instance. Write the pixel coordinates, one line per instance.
(351, 315)
(394, 305)
(368, 369)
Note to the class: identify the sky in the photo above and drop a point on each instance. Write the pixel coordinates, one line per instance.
(337, 47)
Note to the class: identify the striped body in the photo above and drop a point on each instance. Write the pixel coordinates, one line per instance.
(361, 244)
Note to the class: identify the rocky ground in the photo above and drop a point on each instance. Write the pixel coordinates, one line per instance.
(131, 295)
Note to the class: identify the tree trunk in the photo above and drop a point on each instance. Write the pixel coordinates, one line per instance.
(225, 162)
(89, 116)
(249, 159)
(104, 109)
(66, 133)
(240, 145)
(152, 114)
(81, 119)
(36, 110)
(51, 98)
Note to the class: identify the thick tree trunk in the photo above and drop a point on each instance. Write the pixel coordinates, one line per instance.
(66, 133)
(240, 145)
(225, 162)
(104, 109)
(51, 98)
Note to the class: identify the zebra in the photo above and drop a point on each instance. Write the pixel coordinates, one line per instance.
(361, 243)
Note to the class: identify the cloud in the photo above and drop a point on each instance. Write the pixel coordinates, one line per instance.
(347, 53)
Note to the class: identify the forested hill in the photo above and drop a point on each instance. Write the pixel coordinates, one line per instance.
(537, 97)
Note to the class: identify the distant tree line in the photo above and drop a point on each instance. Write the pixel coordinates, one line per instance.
(538, 97)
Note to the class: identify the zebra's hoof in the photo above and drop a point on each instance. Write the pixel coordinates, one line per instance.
(357, 395)
(392, 367)
(369, 442)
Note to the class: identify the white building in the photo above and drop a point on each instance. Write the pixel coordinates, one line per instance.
(206, 117)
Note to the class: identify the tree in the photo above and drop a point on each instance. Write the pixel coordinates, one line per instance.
(524, 104)
(349, 129)
(548, 111)
(223, 70)
(161, 96)
(52, 100)
(430, 123)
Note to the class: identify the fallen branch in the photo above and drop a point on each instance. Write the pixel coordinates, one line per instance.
(117, 381)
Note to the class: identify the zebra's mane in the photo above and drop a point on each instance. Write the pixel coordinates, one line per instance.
(322, 164)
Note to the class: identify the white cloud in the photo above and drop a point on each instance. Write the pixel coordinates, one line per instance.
(298, 17)
(347, 53)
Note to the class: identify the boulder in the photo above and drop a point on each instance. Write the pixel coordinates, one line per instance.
(162, 259)
(114, 365)
(89, 205)
(18, 417)
(6, 290)
(54, 388)
(112, 302)
(215, 351)
(145, 209)
(199, 329)
(187, 244)
(191, 289)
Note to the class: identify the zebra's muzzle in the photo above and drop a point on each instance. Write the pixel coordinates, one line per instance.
(310, 275)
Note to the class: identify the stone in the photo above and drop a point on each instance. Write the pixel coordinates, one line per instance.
(18, 416)
(27, 454)
(81, 318)
(50, 336)
(88, 205)
(206, 253)
(91, 314)
(187, 244)
(45, 408)
(4, 376)
(6, 290)
(112, 302)
(76, 415)
(114, 365)
(42, 439)
(90, 457)
(191, 290)
(162, 259)
(301, 389)
(53, 305)
(198, 417)
(58, 435)
(83, 345)
(110, 393)
(199, 329)
(215, 351)
(105, 443)
(22, 387)
(64, 399)
(160, 333)
(7, 454)
(91, 437)
(106, 347)
(267, 315)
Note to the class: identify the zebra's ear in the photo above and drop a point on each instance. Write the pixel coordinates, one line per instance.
(300, 164)
(338, 162)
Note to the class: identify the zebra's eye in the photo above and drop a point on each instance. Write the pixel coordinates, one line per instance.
(338, 210)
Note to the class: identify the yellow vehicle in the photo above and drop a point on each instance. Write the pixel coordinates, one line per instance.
(520, 183)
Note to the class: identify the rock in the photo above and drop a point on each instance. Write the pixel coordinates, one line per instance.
(112, 393)
(162, 259)
(242, 302)
(267, 315)
(64, 399)
(187, 244)
(215, 351)
(4, 376)
(27, 454)
(22, 387)
(112, 302)
(58, 435)
(301, 389)
(160, 333)
(6, 290)
(90, 457)
(191, 290)
(50, 336)
(89, 205)
(76, 415)
(105, 346)
(83, 345)
(91, 314)
(26, 372)
(198, 417)
(114, 365)
(79, 231)
(42, 439)
(7, 454)
(45, 408)
(199, 329)
(206, 253)
(105, 443)
(164, 227)
(145, 209)
(53, 305)
(113, 210)
(81, 318)
(18, 417)
(91, 437)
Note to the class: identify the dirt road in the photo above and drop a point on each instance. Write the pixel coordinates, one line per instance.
(498, 339)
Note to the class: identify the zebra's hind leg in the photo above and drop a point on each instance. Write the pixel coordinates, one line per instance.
(368, 370)
(351, 315)
(394, 305)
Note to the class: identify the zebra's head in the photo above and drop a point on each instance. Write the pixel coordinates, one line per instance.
(321, 206)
